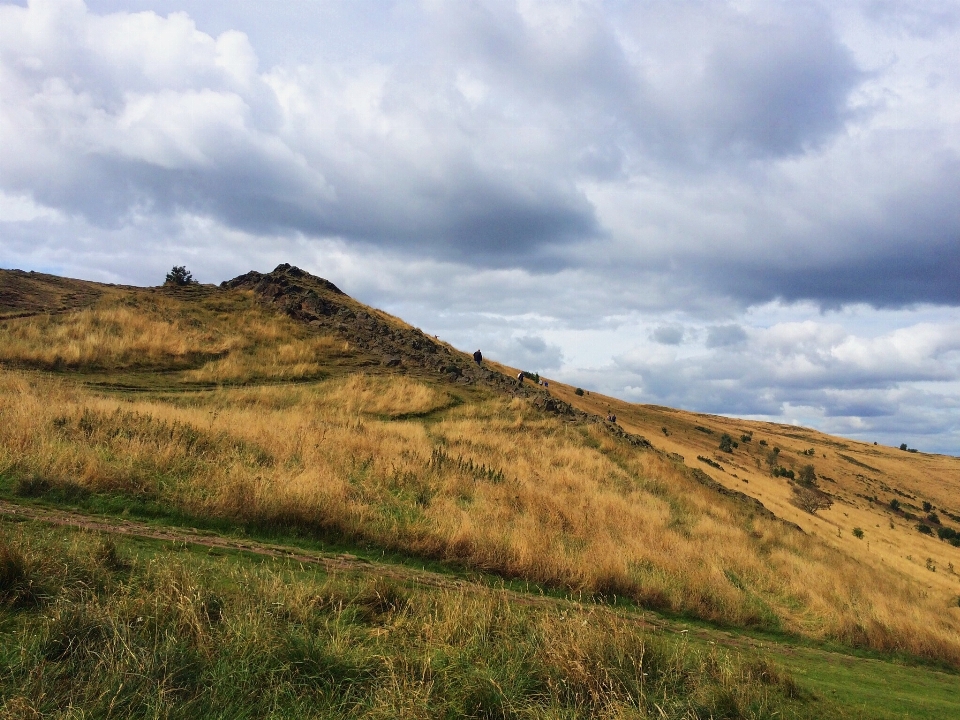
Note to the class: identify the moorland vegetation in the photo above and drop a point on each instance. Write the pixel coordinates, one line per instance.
(207, 406)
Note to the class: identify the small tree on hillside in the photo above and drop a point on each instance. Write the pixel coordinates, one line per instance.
(727, 443)
(807, 476)
(811, 499)
(773, 458)
(179, 275)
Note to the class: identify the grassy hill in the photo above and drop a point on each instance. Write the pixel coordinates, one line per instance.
(276, 409)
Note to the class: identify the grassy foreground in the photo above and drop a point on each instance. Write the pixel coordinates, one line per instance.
(105, 628)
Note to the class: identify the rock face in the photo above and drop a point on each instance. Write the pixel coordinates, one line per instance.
(387, 341)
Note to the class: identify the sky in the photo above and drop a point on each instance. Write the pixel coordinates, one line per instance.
(745, 208)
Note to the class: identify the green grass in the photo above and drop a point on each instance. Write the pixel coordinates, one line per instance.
(129, 628)
(881, 690)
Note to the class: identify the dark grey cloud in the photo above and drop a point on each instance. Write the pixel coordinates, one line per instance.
(725, 335)
(668, 334)
(467, 137)
(734, 84)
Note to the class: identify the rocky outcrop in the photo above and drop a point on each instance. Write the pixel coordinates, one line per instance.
(387, 342)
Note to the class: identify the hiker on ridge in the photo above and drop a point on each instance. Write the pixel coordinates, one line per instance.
(478, 357)
(520, 378)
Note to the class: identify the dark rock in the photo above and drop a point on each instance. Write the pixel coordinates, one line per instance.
(392, 362)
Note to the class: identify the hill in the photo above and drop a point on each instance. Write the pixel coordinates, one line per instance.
(275, 406)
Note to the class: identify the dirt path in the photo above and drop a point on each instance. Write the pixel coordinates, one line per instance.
(347, 563)
(330, 562)
(341, 562)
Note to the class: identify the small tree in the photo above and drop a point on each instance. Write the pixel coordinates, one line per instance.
(578, 391)
(895, 505)
(773, 458)
(811, 499)
(726, 443)
(807, 476)
(179, 275)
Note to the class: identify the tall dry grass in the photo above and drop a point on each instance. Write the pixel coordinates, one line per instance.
(116, 632)
(491, 484)
(225, 339)
(109, 336)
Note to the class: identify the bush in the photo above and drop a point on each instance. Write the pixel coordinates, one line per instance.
(807, 475)
(903, 446)
(179, 275)
(925, 529)
(763, 442)
(858, 533)
(726, 443)
(945, 533)
(895, 505)
(927, 507)
(578, 391)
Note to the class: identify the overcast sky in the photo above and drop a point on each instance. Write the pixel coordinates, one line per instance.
(748, 208)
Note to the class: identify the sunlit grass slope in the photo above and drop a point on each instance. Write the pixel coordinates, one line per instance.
(863, 479)
(419, 465)
(211, 338)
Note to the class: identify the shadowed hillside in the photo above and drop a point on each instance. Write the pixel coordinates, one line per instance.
(276, 404)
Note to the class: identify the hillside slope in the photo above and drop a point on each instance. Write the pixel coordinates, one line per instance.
(861, 479)
(277, 403)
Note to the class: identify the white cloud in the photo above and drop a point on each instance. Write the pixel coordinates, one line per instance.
(681, 186)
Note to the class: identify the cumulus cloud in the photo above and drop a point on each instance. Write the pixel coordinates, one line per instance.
(828, 372)
(526, 175)
(693, 142)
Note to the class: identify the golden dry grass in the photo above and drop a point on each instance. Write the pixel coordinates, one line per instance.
(862, 478)
(221, 340)
(491, 484)
(106, 336)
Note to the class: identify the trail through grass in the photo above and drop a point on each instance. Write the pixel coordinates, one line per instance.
(119, 629)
